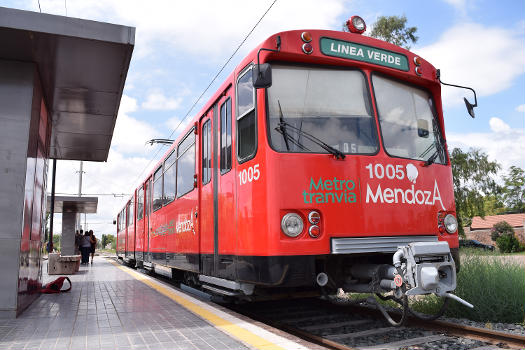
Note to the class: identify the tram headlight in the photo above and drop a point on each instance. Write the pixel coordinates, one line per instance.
(314, 217)
(314, 231)
(307, 48)
(292, 224)
(356, 25)
(451, 224)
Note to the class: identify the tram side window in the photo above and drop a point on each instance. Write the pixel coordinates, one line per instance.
(186, 164)
(131, 211)
(246, 130)
(169, 178)
(226, 136)
(157, 189)
(140, 204)
(148, 197)
(206, 152)
(127, 215)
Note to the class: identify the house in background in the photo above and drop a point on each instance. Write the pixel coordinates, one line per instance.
(480, 228)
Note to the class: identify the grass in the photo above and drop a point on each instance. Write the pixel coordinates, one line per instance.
(495, 288)
(476, 251)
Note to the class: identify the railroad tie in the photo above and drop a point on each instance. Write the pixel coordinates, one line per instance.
(335, 325)
(407, 342)
(364, 333)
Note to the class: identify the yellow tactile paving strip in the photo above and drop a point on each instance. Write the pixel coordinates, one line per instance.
(226, 326)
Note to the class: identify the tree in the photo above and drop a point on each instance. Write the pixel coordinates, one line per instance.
(393, 29)
(514, 190)
(107, 239)
(473, 180)
(494, 205)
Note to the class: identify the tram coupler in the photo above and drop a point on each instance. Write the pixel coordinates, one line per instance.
(425, 268)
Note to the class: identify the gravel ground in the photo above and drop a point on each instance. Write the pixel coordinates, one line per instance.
(503, 327)
(512, 328)
(451, 343)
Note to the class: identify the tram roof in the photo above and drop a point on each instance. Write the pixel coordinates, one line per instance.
(71, 204)
(82, 67)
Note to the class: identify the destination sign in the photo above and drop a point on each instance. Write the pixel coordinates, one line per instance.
(358, 52)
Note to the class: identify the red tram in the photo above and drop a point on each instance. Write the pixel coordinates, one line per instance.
(321, 162)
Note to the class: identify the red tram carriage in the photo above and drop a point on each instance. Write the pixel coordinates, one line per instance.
(321, 161)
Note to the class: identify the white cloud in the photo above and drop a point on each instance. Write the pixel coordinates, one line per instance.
(520, 108)
(131, 134)
(209, 28)
(157, 101)
(503, 143)
(487, 59)
(499, 126)
(459, 5)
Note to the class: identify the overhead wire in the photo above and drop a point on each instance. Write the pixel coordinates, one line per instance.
(206, 89)
(94, 194)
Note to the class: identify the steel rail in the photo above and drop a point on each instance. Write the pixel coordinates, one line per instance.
(449, 328)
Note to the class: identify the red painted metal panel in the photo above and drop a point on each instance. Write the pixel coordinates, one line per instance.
(362, 195)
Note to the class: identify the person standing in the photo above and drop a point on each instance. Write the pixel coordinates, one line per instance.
(93, 241)
(78, 239)
(85, 248)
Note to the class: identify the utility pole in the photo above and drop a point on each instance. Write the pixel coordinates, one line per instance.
(79, 217)
(80, 180)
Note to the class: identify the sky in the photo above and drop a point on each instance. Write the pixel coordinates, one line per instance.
(180, 46)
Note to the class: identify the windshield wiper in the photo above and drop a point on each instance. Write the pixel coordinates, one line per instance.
(432, 158)
(282, 126)
(438, 145)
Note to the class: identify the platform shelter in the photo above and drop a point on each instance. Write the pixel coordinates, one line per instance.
(61, 81)
(71, 209)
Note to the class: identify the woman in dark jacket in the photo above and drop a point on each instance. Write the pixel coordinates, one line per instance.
(93, 241)
(85, 248)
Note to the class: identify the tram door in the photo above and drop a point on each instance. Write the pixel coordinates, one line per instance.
(206, 207)
(147, 211)
(224, 196)
(217, 179)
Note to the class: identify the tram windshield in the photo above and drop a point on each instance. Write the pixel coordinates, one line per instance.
(332, 105)
(408, 121)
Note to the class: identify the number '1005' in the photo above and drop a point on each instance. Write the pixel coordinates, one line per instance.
(250, 174)
(389, 170)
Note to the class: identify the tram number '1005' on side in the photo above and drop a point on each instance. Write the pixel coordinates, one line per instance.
(379, 171)
(249, 175)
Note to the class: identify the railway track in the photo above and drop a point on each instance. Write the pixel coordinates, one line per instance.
(353, 327)
(345, 327)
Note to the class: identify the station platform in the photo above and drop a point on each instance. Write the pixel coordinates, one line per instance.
(115, 307)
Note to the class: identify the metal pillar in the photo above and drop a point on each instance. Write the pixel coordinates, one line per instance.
(50, 243)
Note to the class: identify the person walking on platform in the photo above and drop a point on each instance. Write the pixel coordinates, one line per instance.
(93, 241)
(78, 239)
(85, 248)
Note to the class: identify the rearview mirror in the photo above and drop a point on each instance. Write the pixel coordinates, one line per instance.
(422, 128)
(262, 76)
(470, 107)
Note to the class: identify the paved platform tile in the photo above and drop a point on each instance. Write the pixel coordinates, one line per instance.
(108, 308)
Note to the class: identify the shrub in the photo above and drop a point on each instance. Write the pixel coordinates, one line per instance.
(508, 244)
(500, 229)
